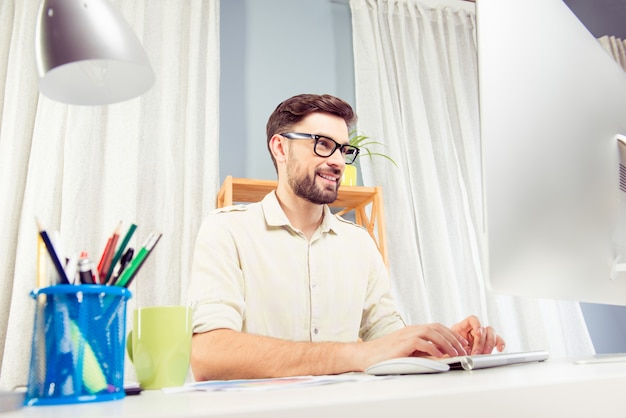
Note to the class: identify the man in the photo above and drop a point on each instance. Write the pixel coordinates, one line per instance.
(283, 287)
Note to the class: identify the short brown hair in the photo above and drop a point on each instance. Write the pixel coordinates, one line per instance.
(296, 108)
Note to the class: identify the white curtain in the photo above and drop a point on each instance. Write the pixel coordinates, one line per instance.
(81, 170)
(416, 91)
(616, 47)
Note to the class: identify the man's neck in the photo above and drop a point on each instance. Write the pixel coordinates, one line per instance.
(302, 214)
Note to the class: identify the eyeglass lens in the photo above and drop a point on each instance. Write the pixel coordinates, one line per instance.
(324, 147)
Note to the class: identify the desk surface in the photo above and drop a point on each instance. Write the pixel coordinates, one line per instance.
(550, 389)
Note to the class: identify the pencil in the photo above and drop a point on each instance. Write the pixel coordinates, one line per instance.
(41, 262)
(119, 252)
(53, 254)
(107, 255)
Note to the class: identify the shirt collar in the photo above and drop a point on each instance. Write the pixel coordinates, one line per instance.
(275, 216)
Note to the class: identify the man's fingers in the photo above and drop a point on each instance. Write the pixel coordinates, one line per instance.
(447, 341)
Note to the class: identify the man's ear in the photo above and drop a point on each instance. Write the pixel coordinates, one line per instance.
(277, 146)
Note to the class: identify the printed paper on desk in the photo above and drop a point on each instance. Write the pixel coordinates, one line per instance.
(253, 385)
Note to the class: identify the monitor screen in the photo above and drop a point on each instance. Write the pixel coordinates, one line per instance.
(552, 109)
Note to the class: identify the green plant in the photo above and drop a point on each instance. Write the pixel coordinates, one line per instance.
(364, 142)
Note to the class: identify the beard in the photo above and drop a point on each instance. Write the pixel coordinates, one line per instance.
(305, 186)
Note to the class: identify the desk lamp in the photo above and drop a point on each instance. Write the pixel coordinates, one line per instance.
(87, 54)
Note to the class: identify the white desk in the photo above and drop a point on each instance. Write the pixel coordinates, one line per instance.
(550, 389)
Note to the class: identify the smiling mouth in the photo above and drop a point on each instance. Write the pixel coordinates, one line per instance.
(329, 177)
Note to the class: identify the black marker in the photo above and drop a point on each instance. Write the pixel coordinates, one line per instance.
(85, 274)
(128, 255)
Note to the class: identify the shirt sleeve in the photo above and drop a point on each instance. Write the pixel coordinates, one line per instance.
(216, 286)
(380, 314)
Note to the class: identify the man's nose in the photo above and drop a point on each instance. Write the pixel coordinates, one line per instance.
(337, 158)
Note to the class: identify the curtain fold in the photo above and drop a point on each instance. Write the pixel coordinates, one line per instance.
(152, 161)
(417, 92)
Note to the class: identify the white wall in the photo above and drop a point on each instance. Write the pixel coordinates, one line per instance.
(272, 50)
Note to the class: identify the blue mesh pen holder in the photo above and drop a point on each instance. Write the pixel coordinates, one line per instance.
(78, 344)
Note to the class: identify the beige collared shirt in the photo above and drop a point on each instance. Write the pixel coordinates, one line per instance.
(253, 272)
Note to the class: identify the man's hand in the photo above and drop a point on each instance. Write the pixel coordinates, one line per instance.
(481, 340)
(434, 340)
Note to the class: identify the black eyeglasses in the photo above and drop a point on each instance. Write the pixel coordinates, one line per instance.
(325, 146)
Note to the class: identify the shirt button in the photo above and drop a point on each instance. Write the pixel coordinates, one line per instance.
(315, 331)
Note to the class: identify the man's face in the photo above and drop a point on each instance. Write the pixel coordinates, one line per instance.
(310, 176)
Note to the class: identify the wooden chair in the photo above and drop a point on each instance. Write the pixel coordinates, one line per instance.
(366, 202)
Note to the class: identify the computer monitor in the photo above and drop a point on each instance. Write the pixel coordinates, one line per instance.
(552, 108)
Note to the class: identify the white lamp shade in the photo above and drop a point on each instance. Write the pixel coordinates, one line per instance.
(87, 54)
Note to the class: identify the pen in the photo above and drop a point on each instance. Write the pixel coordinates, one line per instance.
(53, 254)
(71, 268)
(55, 239)
(120, 251)
(128, 255)
(129, 274)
